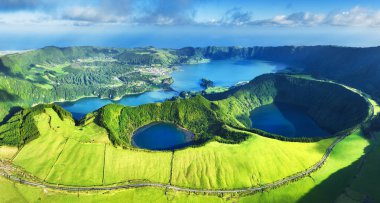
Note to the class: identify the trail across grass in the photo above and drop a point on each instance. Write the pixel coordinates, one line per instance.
(62, 158)
(343, 155)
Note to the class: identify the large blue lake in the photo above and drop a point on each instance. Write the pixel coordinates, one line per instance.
(223, 72)
(287, 120)
(161, 136)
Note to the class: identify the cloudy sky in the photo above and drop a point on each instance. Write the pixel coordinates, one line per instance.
(26, 24)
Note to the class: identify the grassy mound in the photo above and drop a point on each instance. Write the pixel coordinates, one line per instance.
(22, 128)
(332, 106)
(195, 114)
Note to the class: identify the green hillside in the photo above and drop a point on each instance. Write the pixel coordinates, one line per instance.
(71, 155)
(59, 74)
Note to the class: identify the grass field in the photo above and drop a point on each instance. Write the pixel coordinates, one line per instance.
(63, 144)
(122, 165)
(39, 156)
(15, 192)
(254, 162)
(71, 155)
(344, 155)
(365, 186)
(7, 152)
(326, 184)
(79, 164)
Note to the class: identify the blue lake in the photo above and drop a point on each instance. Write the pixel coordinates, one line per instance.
(84, 106)
(287, 120)
(223, 72)
(161, 136)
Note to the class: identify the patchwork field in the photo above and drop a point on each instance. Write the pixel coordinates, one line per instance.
(254, 162)
(74, 159)
(340, 159)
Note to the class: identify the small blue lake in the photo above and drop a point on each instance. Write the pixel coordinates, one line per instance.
(161, 136)
(223, 72)
(84, 106)
(286, 120)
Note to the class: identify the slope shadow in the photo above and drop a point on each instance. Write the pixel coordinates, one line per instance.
(331, 188)
(6, 96)
(11, 112)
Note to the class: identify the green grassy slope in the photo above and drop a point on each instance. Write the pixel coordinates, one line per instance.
(364, 186)
(344, 155)
(61, 155)
(122, 165)
(254, 162)
(82, 156)
(78, 164)
(22, 127)
(14, 192)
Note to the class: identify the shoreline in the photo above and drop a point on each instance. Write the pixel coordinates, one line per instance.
(102, 98)
(189, 136)
(166, 88)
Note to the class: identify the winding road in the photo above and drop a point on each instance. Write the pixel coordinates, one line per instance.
(168, 186)
(264, 187)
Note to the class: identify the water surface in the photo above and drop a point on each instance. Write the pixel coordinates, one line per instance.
(287, 120)
(223, 72)
(84, 106)
(162, 136)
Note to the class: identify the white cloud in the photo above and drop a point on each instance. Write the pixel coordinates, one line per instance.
(357, 16)
(183, 12)
(294, 19)
(25, 17)
(89, 14)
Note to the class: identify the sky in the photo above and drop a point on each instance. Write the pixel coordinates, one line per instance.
(29, 24)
